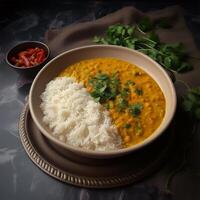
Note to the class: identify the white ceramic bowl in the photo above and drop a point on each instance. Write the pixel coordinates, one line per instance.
(60, 62)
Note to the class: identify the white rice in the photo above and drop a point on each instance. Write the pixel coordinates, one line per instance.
(75, 118)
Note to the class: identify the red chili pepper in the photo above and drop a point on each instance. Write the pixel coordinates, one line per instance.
(40, 56)
(26, 62)
(29, 57)
(31, 51)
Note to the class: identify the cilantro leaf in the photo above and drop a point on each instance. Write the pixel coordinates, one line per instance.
(104, 87)
(138, 128)
(127, 126)
(139, 91)
(122, 104)
(170, 56)
(135, 109)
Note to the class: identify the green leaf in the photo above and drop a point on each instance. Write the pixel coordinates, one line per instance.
(139, 91)
(129, 82)
(135, 109)
(122, 104)
(138, 128)
(154, 37)
(104, 86)
(152, 54)
(101, 90)
(125, 92)
(97, 99)
(168, 62)
(130, 31)
(102, 76)
(99, 40)
(96, 39)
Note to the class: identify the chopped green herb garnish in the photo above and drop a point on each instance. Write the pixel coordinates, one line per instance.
(122, 104)
(127, 126)
(100, 40)
(138, 128)
(107, 106)
(135, 109)
(125, 92)
(104, 87)
(97, 99)
(152, 36)
(129, 82)
(139, 91)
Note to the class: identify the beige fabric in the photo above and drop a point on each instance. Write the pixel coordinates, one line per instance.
(81, 34)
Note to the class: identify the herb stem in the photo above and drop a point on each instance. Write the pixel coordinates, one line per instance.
(143, 36)
(138, 28)
(184, 83)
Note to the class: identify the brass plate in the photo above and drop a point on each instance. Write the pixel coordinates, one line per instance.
(92, 173)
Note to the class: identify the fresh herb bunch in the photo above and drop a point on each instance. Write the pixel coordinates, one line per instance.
(170, 56)
(191, 102)
(122, 35)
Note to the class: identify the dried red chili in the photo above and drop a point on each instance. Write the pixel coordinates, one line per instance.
(29, 57)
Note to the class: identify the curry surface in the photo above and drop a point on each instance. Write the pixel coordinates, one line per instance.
(132, 129)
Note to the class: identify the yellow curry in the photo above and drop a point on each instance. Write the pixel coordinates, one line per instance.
(134, 100)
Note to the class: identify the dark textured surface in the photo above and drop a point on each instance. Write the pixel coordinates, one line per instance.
(19, 177)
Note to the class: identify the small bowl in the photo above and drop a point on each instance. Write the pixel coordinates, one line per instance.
(32, 70)
(56, 65)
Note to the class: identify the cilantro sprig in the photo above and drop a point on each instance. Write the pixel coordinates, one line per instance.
(143, 38)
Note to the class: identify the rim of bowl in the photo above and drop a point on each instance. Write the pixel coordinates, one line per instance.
(25, 42)
(135, 147)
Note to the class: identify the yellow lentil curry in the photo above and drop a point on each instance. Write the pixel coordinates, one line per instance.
(134, 100)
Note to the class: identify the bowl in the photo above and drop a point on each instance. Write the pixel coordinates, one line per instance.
(32, 70)
(60, 62)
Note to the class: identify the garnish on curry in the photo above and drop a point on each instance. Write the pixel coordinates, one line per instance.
(134, 100)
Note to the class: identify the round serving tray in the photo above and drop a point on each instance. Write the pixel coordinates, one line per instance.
(92, 173)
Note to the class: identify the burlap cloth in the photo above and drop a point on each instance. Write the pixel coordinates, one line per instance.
(81, 34)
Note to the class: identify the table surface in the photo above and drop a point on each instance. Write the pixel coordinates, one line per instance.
(19, 177)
